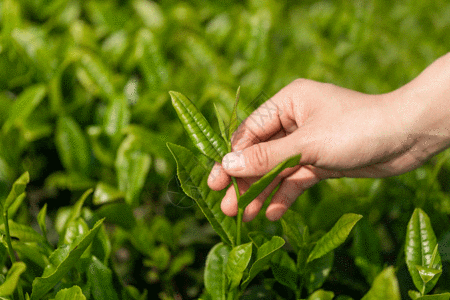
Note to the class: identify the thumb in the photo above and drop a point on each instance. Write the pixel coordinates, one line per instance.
(260, 158)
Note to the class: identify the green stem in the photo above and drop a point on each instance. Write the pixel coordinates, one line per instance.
(240, 213)
(10, 250)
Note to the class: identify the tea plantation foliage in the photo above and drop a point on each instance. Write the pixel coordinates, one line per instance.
(91, 203)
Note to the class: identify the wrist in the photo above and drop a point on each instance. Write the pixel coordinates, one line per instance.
(422, 109)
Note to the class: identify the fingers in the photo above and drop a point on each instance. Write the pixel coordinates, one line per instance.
(259, 159)
(218, 179)
(293, 186)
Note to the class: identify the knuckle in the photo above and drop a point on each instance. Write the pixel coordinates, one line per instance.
(259, 158)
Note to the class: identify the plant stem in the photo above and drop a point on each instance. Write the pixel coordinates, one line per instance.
(240, 213)
(10, 249)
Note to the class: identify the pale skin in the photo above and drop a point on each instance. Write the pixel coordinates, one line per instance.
(340, 133)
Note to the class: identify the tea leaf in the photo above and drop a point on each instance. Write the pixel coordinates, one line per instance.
(385, 286)
(238, 260)
(132, 166)
(73, 293)
(335, 237)
(222, 127)
(100, 279)
(17, 189)
(318, 271)
(258, 187)
(198, 128)
(67, 258)
(284, 269)
(234, 122)
(293, 228)
(321, 295)
(24, 105)
(420, 245)
(263, 257)
(72, 146)
(215, 270)
(367, 250)
(191, 174)
(41, 220)
(444, 296)
(21, 232)
(8, 287)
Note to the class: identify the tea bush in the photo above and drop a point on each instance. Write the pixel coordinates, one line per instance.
(92, 206)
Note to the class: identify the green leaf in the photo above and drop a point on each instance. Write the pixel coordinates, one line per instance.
(421, 251)
(367, 250)
(8, 287)
(284, 269)
(100, 279)
(98, 73)
(222, 127)
(73, 293)
(63, 258)
(444, 296)
(17, 189)
(293, 228)
(72, 146)
(321, 295)
(152, 63)
(191, 173)
(118, 213)
(215, 270)
(259, 186)
(117, 117)
(75, 211)
(428, 274)
(318, 271)
(385, 286)
(238, 260)
(24, 105)
(198, 128)
(234, 122)
(41, 220)
(36, 252)
(21, 232)
(132, 167)
(180, 262)
(105, 193)
(335, 237)
(263, 257)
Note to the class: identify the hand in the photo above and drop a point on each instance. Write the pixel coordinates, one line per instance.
(339, 132)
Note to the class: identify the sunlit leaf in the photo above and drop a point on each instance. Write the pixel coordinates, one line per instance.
(385, 286)
(191, 173)
(335, 237)
(17, 189)
(238, 260)
(67, 258)
(73, 293)
(263, 257)
(198, 128)
(258, 187)
(215, 270)
(8, 287)
(421, 251)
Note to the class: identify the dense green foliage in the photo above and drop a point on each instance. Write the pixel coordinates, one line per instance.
(85, 110)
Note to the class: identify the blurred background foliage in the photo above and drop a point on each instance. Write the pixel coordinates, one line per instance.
(84, 104)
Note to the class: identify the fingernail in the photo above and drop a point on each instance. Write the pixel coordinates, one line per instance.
(233, 161)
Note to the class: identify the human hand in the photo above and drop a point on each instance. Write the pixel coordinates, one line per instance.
(339, 132)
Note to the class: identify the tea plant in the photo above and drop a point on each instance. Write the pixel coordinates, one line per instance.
(234, 263)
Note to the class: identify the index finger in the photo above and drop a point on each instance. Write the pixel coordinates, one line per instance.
(260, 126)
